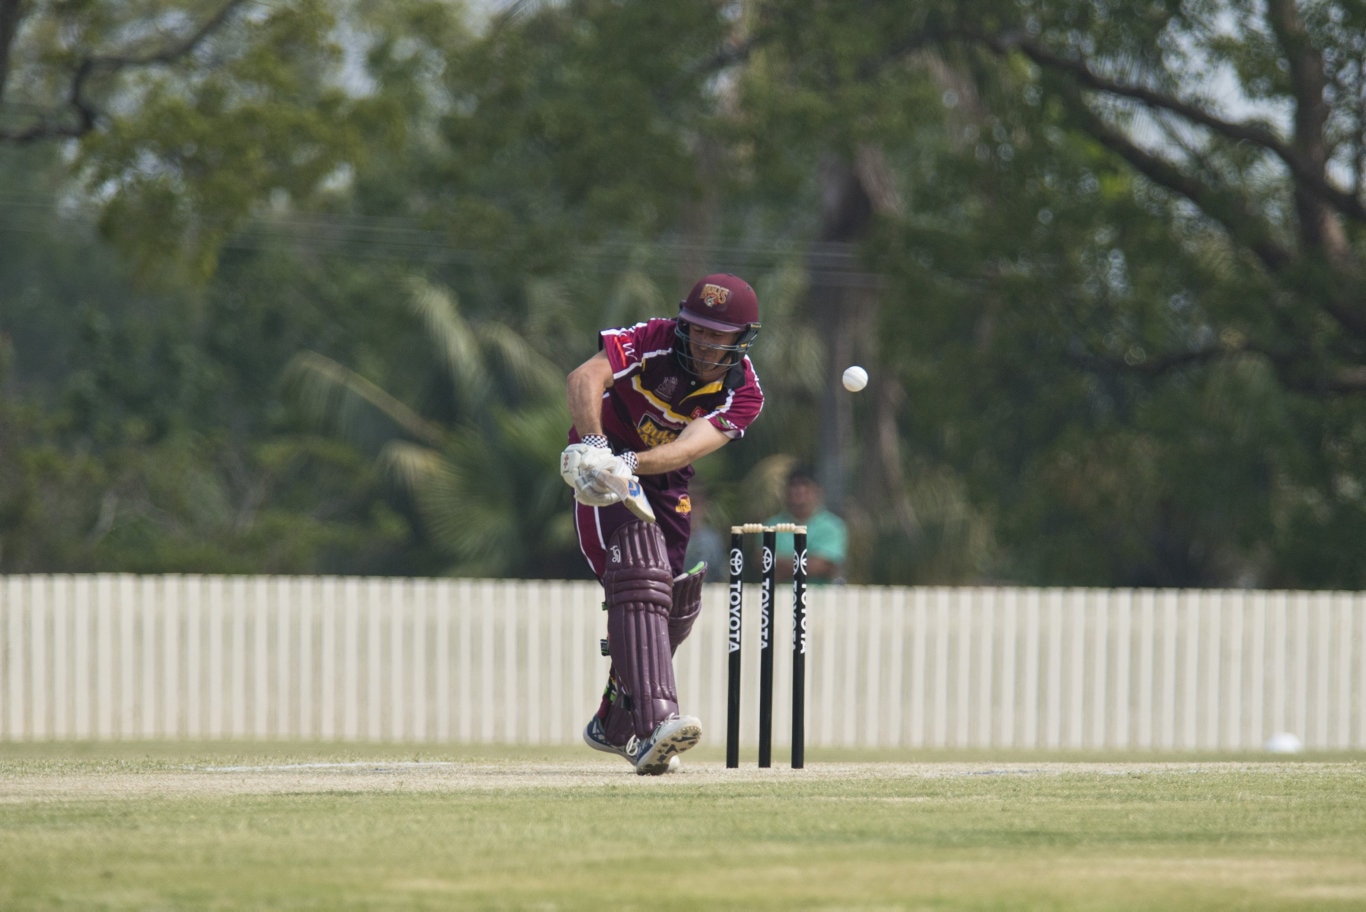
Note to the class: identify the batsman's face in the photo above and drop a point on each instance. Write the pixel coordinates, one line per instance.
(709, 350)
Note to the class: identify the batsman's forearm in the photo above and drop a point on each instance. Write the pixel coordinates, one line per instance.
(697, 440)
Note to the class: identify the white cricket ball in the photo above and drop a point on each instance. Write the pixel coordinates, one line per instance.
(855, 378)
(1284, 743)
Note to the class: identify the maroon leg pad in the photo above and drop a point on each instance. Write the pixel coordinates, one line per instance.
(687, 605)
(639, 591)
(615, 709)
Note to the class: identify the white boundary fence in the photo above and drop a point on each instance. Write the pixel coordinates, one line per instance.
(360, 659)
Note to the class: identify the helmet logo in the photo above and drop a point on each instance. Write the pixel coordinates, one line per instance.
(715, 295)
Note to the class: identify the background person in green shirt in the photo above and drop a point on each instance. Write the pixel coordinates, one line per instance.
(826, 537)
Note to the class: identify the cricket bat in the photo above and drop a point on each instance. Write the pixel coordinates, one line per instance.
(630, 492)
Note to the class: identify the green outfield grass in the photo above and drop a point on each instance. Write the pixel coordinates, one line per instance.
(284, 827)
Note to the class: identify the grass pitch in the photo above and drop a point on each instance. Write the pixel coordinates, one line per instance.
(342, 827)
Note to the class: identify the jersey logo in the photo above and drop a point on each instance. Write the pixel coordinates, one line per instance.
(684, 505)
(652, 433)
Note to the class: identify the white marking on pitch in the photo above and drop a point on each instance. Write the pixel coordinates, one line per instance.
(290, 767)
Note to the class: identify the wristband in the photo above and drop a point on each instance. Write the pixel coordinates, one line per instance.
(595, 440)
(632, 461)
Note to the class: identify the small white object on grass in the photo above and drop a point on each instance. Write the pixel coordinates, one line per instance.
(1284, 743)
(855, 378)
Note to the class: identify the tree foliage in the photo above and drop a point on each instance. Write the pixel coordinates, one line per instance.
(1119, 233)
(477, 479)
(1103, 260)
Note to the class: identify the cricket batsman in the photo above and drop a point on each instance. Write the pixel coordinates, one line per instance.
(655, 398)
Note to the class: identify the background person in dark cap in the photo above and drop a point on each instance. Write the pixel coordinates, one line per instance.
(827, 539)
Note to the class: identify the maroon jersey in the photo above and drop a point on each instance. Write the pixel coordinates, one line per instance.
(651, 400)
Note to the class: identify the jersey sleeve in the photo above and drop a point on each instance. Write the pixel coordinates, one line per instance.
(622, 348)
(740, 407)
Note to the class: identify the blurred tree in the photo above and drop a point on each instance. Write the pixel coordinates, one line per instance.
(160, 421)
(1103, 259)
(1135, 223)
(192, 116)
(479, 479)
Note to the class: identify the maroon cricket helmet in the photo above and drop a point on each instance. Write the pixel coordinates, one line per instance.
(722, 302)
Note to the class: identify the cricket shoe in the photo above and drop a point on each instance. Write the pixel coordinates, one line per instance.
(674, 735)
(596, 738)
